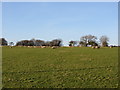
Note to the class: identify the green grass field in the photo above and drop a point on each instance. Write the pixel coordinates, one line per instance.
(73, 67)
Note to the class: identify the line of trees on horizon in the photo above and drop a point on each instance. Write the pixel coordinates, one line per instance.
(90, 40)
(87, 40)
(34, 42)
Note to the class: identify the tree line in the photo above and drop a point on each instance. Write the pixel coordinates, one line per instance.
(84, 41)
(32, 42)
(91, 40)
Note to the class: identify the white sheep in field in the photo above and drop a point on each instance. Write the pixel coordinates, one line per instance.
(43, 47)
(111, 46)
(97, 47)
(34, 46)
(30, 46)
(54, 47)
(93, 47)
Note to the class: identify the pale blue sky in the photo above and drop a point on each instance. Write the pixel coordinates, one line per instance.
(66, 21)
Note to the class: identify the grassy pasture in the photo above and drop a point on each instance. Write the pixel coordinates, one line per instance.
(60, 68)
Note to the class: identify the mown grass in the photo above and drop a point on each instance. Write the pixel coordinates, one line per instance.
(60, 68)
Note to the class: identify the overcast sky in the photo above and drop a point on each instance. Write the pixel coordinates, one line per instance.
(66, 21)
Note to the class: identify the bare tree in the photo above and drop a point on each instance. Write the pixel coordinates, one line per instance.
(91, 38)
(72, 43)
(88, 40)
(34, 41)
(83, 39)
(56, 42)
(104, 41)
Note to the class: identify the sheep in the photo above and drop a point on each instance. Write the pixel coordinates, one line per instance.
(97, 47)
(11, 47)
(34, 46)
(30, 46)
(54, 47)
(43, 47)
(111, 46)
(93, 47)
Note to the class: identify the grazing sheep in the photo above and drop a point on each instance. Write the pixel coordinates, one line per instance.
(111, 46)
(54, 47)
(93, 47)
(34, 46)
(43, 47)
(30, 46)
(97, 47)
